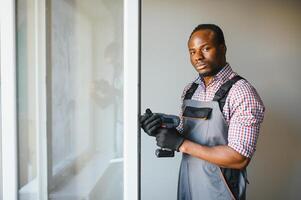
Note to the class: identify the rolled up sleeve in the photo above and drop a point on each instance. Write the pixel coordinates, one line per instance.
(247, 113)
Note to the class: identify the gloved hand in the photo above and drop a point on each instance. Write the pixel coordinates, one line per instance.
(169, 138)
(150, 122)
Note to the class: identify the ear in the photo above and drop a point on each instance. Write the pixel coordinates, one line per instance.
(223, 48)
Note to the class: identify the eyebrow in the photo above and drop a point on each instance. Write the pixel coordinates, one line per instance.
(201, 46)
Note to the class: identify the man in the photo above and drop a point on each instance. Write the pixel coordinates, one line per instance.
(220, 121)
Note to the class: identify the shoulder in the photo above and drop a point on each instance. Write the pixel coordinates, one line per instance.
(243, 90)
(245, 103)
(188, 86)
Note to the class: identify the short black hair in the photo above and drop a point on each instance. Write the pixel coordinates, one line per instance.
(219, 35)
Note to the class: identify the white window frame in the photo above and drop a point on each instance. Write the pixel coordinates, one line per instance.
(8, 100)
(132, 31)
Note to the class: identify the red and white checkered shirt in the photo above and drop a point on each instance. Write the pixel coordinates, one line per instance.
(243, 110)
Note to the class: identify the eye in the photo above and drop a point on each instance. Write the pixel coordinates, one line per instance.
(192, 52)
(206, 49)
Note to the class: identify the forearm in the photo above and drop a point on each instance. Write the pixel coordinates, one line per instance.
(223, 156)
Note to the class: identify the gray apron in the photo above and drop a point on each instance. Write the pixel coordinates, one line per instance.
(204, 123)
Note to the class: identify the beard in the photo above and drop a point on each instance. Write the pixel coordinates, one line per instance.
(212, 72)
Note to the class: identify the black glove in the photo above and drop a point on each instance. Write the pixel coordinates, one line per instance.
(150, 122)
(169, 138)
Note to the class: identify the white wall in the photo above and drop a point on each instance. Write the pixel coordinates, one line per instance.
(264, 47)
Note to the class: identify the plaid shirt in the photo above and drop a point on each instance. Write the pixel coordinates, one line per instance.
(243, 110)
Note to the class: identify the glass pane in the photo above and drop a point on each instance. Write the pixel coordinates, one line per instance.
(86, 99)
(26, 99)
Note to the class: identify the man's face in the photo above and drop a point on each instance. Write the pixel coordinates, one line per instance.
(206, 55)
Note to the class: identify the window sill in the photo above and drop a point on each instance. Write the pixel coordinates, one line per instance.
(95, 181)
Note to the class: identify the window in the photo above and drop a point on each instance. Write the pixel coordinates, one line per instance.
(82, 98)
(69, 114)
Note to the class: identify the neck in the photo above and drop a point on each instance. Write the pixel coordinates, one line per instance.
(207, 80)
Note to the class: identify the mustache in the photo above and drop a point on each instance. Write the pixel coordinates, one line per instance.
(200, 63)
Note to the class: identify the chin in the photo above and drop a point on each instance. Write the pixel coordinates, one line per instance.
(205, 73)
(209, 72)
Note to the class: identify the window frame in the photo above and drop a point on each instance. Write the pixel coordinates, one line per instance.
(8, 100)
(132, 24)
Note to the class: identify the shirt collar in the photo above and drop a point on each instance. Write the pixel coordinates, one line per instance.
(224, 74)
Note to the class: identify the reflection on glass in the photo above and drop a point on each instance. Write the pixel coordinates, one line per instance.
(86, 99)
(26, 104)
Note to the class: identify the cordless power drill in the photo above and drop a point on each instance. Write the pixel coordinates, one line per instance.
(168, 121)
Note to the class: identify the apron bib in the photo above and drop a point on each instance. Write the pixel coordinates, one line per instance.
(204, 123)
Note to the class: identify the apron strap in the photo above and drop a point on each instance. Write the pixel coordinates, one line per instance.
(191, 90)
(222, 93)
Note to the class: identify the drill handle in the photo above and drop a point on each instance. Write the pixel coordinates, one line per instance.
(164, 153)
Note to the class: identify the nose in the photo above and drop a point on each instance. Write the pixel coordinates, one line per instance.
(199, 56)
